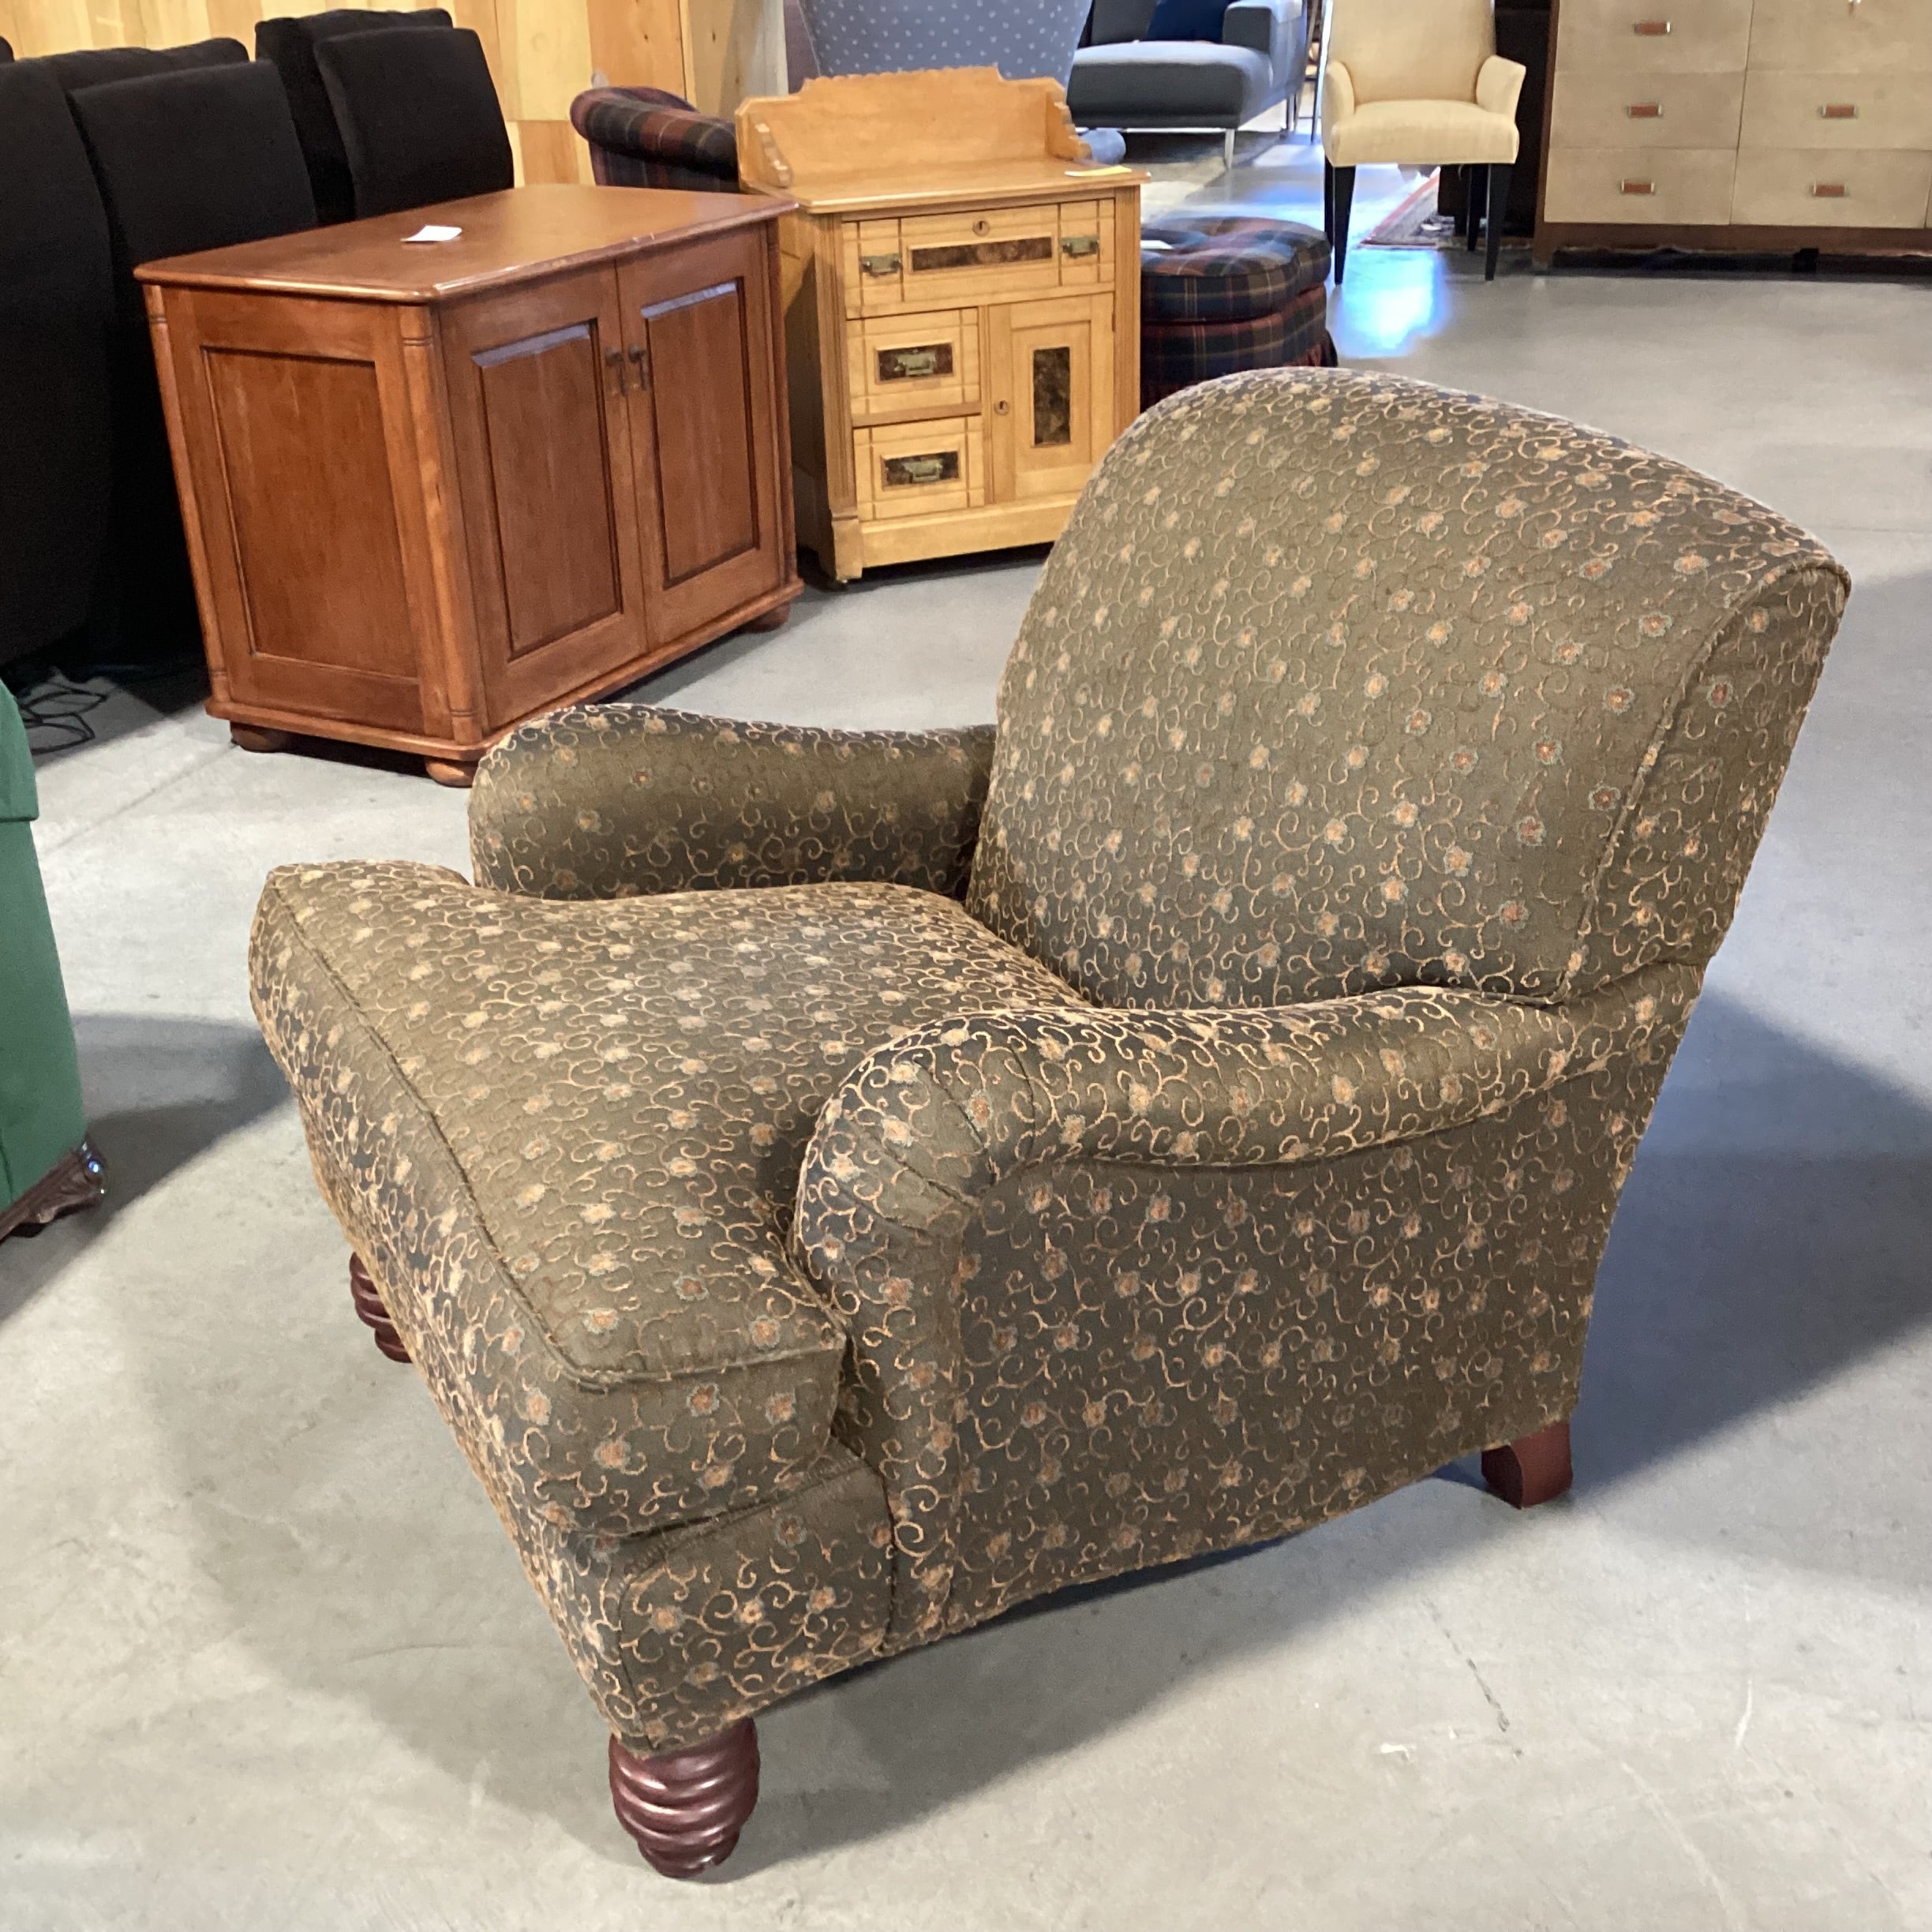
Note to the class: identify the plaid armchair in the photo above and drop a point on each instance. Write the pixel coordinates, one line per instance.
(839, 1185)
(647, 138)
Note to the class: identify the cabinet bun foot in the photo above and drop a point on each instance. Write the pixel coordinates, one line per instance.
(772, 619)
(258, 738)
(686, 1808)
(1531, 1469)
(448, 772)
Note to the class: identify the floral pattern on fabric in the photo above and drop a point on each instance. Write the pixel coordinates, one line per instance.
(1337, 681)
(604, 801)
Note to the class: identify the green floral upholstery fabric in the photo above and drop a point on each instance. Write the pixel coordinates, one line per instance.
(601, 801)
(811, 1264)
(1337, 682)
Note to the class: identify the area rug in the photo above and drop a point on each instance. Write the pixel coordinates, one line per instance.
(1414, 223)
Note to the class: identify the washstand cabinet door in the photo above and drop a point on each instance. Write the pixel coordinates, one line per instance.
(705, 439)
(1050, 371)
(543, 453)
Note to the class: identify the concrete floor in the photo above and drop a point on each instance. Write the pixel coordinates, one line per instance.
(267, 1660)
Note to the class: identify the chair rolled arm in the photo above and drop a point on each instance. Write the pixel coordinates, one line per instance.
(925, 1129)
(1498, 83)
(609, 801)
(1338, 98)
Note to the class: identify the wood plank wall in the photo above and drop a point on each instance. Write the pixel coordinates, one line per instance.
(542, 52)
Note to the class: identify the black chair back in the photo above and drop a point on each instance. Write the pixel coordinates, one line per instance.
(185, 160)
(291, 45)
(94, 66)
(419, 117)
(56, 318)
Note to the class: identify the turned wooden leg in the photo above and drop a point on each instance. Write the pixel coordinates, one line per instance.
(257, 738)
(772, 619)
(450, 772)
(1531, 1470)
(369, 1304)
(686, 1808)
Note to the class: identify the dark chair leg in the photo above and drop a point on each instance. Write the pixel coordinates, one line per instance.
(686, 1808)
(369, 1304)
(1531, 1470)
(1328, 201)
(1344, 203)
(1472, 201)
(1498, 204)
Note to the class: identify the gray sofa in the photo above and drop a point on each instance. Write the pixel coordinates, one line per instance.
(1120, 79)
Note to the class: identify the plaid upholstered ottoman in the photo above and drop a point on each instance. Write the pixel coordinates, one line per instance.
(1223, 293)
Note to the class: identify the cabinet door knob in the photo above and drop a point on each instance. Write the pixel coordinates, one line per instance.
(1002, 407)
(614, 361)
(639, 354)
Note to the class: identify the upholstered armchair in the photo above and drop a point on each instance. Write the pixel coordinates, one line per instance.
(648, 138)
(839, 1185)
(1418, 82)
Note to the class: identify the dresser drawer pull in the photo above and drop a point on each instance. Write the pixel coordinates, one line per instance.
(1651, 30)
(1080, 244)
(1636, 187)
(1829, 191)
(1645, 110)
(900, 472)
(909, 364)
(879, 264)
(1838, 110)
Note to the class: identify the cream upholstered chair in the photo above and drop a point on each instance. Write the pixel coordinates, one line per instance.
(1419, 83)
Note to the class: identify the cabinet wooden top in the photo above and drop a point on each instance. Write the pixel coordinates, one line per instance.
(506, 238)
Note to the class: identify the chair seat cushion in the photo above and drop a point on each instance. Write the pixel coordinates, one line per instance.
(599, 1109)
(1421, 133)
(1156, 83)
(1226, 268)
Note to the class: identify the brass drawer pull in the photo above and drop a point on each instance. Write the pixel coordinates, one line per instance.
(1651, 30)
(1838, 110)
(1645, 110)
(941, 466)
(909, 364)
(1637, 187)
(879, 264)
(1080, 244)
(1829, 191)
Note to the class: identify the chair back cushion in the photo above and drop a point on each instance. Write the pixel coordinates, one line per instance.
(289, 44)
(1186, 19)
(644, 137)
(56, 317)
(419, 117)
(86, 67)
(1337, 682)
(1022, 38)
(1412, 50)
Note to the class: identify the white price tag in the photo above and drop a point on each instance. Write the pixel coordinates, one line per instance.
(433, 231)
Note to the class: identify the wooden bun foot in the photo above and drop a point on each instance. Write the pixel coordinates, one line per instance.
(772, 620)
(369, 1304)
(686, 1808)
(1531, 1470)
(448, 772)
(258, 738)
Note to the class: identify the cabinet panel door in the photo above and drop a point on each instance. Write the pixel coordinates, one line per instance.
(543, 454)
(1050, 393)
(706, 440)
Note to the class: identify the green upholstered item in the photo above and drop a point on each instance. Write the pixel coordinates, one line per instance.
(42, 1124)
(839, 1185)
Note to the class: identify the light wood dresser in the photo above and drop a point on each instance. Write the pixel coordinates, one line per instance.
(1766, 124)
(433, 489)
(962, 291)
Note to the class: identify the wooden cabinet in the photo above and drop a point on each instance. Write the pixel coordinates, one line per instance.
(432, 489)
(962, 298)
(1766, 124)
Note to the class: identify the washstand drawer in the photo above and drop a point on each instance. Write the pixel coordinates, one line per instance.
(911, 470)
(1596, 108)
(981, 255)
(1829, 36)
(1086, 244)
(909, 362)
(1654, 36)
(1838, 110)
(1649, 187)
(875, 268)
(1831, 188)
